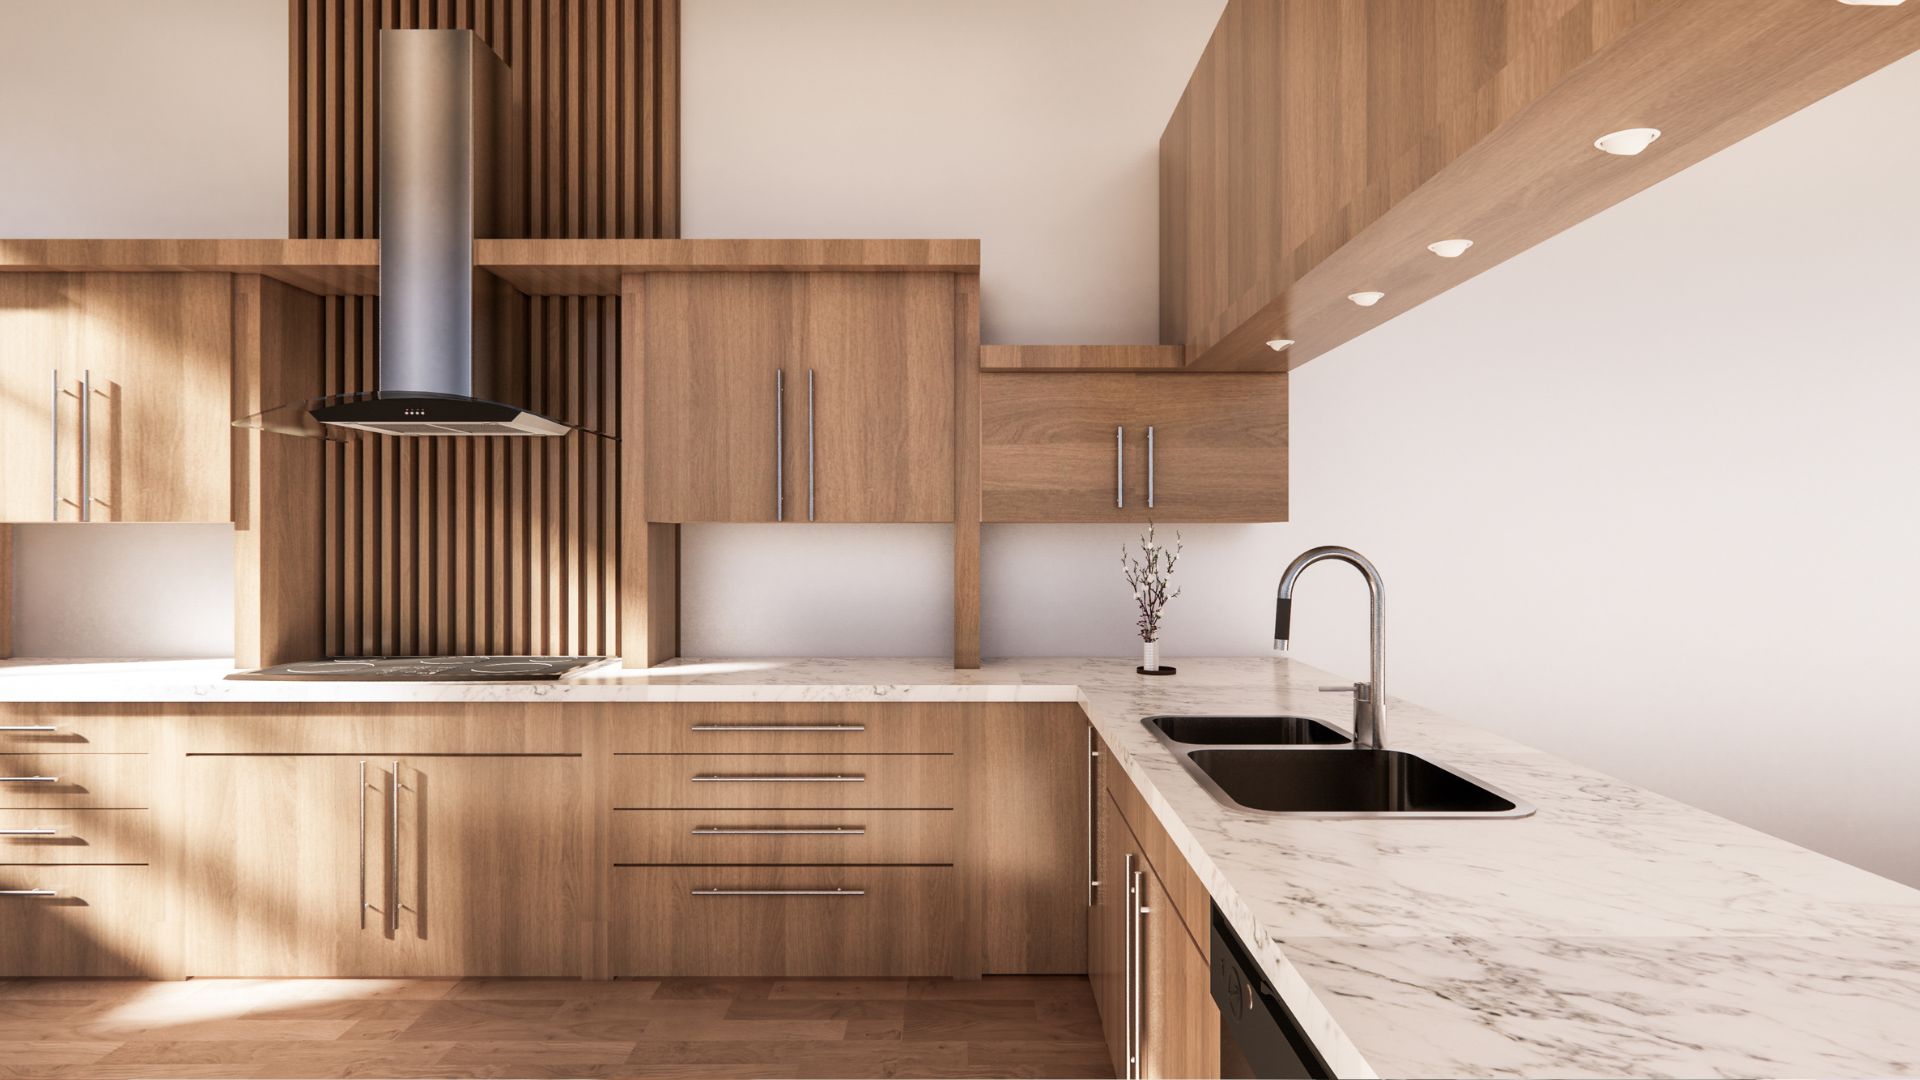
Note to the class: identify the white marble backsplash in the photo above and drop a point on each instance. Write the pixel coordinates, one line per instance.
(1613, 933)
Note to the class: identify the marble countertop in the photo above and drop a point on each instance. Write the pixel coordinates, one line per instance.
(1614, 933)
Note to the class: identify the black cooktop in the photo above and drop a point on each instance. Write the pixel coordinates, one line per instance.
(427, 668)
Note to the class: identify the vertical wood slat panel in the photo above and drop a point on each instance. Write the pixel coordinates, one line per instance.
(487, 545)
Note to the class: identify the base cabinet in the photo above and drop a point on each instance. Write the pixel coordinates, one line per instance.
(1149, 970)
(425, 866)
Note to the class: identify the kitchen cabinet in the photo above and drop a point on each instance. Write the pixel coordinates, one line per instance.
(1149, 970)
(1116, 446)
(115, 397)
(77, 921)
(1027, 802)
(423, 866)
(798, 396)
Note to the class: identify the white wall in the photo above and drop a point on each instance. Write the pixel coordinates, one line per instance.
(134, 118)
(1643, 495)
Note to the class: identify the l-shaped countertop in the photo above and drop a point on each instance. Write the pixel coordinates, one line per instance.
(1615, 932)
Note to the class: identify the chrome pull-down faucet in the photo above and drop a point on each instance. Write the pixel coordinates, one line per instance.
(1370, 697)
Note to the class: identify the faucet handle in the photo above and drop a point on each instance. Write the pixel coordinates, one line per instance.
(1360, 691)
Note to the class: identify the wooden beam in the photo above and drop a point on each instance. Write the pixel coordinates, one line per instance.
(595, 267)
(966, 471)
(1323, 144)
(278, 564)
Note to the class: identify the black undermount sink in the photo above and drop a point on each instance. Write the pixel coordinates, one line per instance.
(1346, 782)
(1247, 731)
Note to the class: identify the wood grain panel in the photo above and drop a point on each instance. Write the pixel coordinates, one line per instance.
(1322, 144)
(74, 781)
(488, 545)
(79, 837)
(790, 837)
(690, 727)
(100, 923)
(1027, 809)
(1082, 357)
(888, 920)
(741, 781)
(966, 470)
(590, 267)
(318, 266)
(6, 591)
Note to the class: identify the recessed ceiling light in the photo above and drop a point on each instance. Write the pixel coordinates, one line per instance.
(1629, 142)
(1450, 249)
(1366, 299)
(1874, 3)
(1279, 343)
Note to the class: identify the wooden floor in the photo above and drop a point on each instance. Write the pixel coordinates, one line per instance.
(1010, 1026)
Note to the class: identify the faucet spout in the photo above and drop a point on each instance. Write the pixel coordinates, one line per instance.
(1370, 697)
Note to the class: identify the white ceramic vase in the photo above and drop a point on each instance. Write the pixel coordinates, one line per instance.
(1150, 656)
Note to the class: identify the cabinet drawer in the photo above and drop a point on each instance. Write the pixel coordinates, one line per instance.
(810, 728)
(792, 781)
(794, 837)
(97, 920)
(74, 836)
(71, 729)
(50, 781)
(787, 921)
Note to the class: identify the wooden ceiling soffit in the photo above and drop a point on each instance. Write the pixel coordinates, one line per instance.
(1321, 145)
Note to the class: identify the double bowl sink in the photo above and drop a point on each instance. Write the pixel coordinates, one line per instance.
(1298, 767)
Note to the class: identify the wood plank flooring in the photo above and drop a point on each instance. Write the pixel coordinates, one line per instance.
(1010, 1026)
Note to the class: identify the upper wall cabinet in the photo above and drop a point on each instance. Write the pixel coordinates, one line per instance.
(1322, 145)
(115, 397)
(798, 396)
(1121, 447)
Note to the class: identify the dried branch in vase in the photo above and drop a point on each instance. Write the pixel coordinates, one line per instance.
(1149, 577)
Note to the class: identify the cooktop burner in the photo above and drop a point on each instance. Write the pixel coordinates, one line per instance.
(428, 668)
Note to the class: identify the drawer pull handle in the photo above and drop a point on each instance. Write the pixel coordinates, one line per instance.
(30, 729)
(28, 892)
(711, 779)
(830, 830)
(29, 779)
(29, 832)
(778, 727)
(779, 892)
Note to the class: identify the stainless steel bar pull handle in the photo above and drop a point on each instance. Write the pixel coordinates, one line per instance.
(1137, 1007)
(53, 426)
(1093, 806)
(809, 444)
(710, 778)
(363, 845)
(393, 881)
(86, 435)
(779, 892)
(29, 832)
(1149, 466)
(1120, 468)
(779, 445)
(29, 729)
(29, 779)
(1129, 976)
(28, 892)
(777, 727)
(825, 830)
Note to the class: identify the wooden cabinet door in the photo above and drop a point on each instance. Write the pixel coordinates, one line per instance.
(160, 349)
(1027, 802)
(1075, 447)
(39, 396)
(283, 854)
(143, 364)
(297, 865)
(1218, 447)
(714, 346)
(1181, 1036)
(876, 441)
(1106, 926)
(492, 857)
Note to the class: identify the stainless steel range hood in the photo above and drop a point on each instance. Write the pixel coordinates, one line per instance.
(449, 353)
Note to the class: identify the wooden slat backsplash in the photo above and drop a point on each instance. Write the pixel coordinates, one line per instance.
(489, 545)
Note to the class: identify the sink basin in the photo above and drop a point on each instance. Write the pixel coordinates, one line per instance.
(1338, 782)
(1247, 731)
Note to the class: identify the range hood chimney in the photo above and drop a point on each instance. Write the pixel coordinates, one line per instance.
(449, 357)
